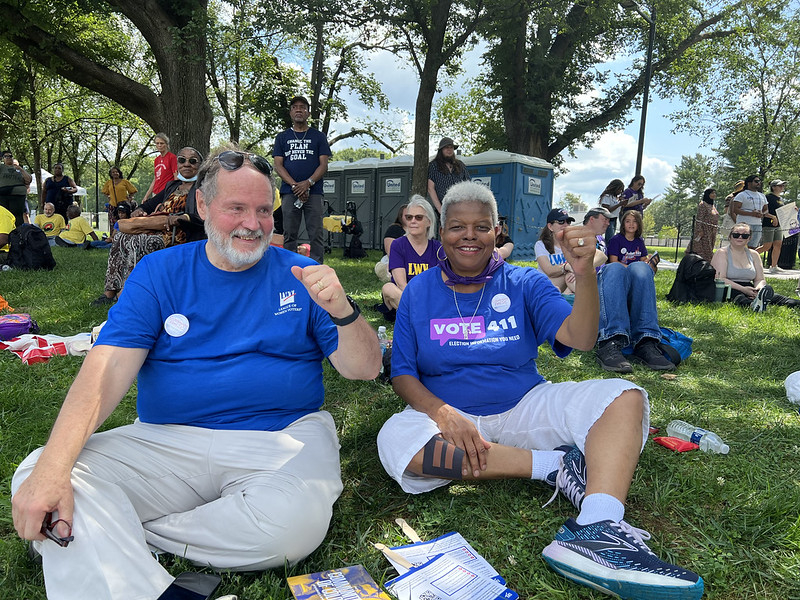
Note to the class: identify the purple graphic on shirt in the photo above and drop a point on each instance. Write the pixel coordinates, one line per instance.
(445, 330)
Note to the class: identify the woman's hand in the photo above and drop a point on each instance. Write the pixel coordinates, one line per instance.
(578, 245)
(457, 429)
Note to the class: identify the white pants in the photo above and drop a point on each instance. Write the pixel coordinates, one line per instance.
(231, 500)
(548, 416)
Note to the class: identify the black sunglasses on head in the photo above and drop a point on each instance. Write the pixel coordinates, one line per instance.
(744, 236)
(192, 161)
(231, 160)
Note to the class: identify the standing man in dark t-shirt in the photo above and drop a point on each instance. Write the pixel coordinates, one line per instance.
(444, 171)
(301, 160)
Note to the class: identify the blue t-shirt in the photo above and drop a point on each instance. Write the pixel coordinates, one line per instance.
(226, 350)
(403, 256)
(482, 364)
(627, 251)
(301, 154)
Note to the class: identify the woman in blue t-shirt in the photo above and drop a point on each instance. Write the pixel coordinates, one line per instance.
(464, 360)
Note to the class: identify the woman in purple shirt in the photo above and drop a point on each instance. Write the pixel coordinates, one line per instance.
(413, 253)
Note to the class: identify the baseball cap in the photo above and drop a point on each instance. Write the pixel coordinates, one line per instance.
(776, 182)
(559, 214)
(597, 211)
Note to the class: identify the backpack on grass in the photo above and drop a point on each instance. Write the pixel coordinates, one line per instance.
(12, 326)
(29, 249)
(694, 281)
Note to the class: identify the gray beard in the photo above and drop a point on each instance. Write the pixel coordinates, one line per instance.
(224, 245)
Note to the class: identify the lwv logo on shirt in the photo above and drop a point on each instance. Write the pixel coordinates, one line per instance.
(286, 298)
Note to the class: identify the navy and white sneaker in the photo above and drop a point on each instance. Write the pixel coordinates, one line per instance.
(570, 479)
(613, 558)
(762, 298)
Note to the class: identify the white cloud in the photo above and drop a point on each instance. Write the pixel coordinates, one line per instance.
(613, 156)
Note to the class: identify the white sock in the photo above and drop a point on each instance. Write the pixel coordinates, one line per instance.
(600, 507)
(544, 462)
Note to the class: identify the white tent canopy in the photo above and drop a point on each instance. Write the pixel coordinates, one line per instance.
(35, 190)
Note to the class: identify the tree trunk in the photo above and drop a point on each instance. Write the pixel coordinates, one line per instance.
(177, 38)
(422, 126)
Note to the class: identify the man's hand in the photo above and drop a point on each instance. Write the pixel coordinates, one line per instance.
(458, 430)
(324, 288)
(39, 494)
(578, 245)
(301, 189)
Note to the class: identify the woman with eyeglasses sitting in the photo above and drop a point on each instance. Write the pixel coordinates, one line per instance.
(412, 253)
(740, 268)
(167, 219)
(549, 255)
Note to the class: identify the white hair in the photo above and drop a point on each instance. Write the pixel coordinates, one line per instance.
(417, 200)
(469, 191)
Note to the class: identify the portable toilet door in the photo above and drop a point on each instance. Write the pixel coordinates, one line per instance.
(523, 188)
(359, 188)
(393, 189)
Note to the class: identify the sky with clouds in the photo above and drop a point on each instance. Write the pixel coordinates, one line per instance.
(612, 156)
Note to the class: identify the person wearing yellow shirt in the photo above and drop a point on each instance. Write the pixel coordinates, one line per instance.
(7, 225)
(50, 222)
(77, 231)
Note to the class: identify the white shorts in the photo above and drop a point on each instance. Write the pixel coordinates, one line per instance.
(548, 416)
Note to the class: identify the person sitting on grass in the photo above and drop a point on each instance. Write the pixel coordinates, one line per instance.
(167, 219)
(740, 267)
(50, 222)
(396, 230)
(7, 225)
(226, 466)
(549, 256)
(465, 344)
(628, 313)
(77, 232)
(412, 253)
(504, 243)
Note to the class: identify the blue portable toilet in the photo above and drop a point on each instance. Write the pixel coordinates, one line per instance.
(392, 189)
(523, 187)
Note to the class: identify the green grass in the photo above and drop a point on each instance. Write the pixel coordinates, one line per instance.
(733, 519)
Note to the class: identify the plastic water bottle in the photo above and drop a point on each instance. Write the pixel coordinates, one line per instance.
(383, 339)
(707, 440)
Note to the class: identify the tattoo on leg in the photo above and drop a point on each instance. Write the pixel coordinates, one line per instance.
(442, 459)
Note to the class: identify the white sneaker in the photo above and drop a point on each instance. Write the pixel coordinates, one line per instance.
(228, 597)
(774, 270)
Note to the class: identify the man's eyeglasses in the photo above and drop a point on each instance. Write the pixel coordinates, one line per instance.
(48, 529)
(192, 161)
(7, 156)
(412, 217)
(743, 236)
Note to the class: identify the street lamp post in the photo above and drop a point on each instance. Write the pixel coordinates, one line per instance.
(651, 19)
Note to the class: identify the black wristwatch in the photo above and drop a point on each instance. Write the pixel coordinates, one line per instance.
(349, 319)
